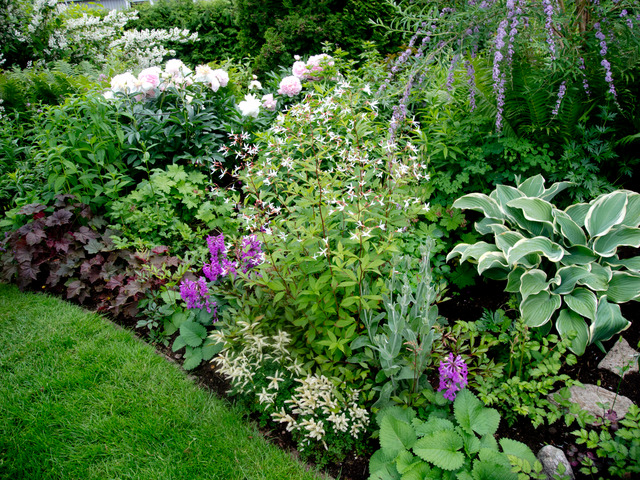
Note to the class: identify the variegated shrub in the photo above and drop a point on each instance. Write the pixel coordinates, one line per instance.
(563, 264)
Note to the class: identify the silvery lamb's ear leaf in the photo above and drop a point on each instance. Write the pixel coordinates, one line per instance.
(532, 186)
(569, 276)
(624, 287)
(507, 239)
(632, 217)
(583, 302)
(513, 280)
(533, 282)
(540, 245)
(607, 245)
(534, 209)
(569, 322)
(578, 212)
(480, 203)
(554, 189)
(609, 321)
(537, 309)
(569, 229)
(605, 212)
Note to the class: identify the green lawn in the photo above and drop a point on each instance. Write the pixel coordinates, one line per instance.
(82, 399)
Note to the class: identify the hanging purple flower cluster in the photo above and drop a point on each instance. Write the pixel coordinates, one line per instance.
(605, 63)
(498, 76)
(453, 376)
(561, 91)
(585, 83)
(548, 11)
(196, 294)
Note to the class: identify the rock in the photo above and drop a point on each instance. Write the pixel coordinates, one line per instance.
(550, 457)
(589, 396)
(620, 355)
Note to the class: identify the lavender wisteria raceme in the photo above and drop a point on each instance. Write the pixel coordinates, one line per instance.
(453, 376)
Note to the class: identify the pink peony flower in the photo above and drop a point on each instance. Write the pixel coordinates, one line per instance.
(149, 78)
(290, 86)
(300, 69)
(222, 76)
(269, 102)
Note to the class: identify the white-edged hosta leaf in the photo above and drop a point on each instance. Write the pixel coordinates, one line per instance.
(474, 251)
(441, 449)
(539, 245)
(632, 263)
(624, 287)
(578, 212)
(569, 322)
(458, 250)
(491, 260)
(598, 279)
(532, 186)
(554, 189)
(513, 280)
(620, 235)
(488, 225)
(569, 229)
(533, 282)
(609, 321)
(579, 255)
(506, 240)
(503, 194)
(632, 218)
(569, 276)
(537, 309)
(605, 212)
(583, 302)
(480, 203)
(534, 209)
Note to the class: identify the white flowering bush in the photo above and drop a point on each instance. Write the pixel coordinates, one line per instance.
(325, 421)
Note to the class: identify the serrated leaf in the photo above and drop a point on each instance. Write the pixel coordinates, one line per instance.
(609, 321)
(405, 460)
(193, 333)
(433, 424)
(192, 358)
(570, 322)
(539, 245)
(624, 287)
(209, 350)
(441, 449)
(473, 416)
(419, 471)
(178, 343)
(583, 302)
(537, 309)
(517, 449)
(605, 212)
(488, 470)
(396, 435)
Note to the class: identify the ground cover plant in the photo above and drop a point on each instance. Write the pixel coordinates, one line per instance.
(297, 233)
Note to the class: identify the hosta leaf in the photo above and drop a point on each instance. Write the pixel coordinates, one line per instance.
(623, 287)
(632, 217)
(578, 212)
(513, 280)
(488, 225)
(396, 435)
(506, 240)
(579, 255)
(605, 212)
(480, 203)
(532, 186)
(583, 302)
(534, 209)
(459, 249)
(630, 263)
(473, 416)
(606, 245)
(193, 333)
(493, 260)
(533, 282)
(598, 279)
(474, 251)
(441, 449)
(569, 229)
(554, 189)
(609, 321)
(503, 194)
(569, 276)
(538, 309)
(569, 322)
(540, 245)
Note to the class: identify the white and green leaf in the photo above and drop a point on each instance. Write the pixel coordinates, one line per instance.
(537, 309)
(620, 235)
(624, 287)
(582, 301)
(605, 212)
(540, 245)
(568, 324)
(609, 322)
(569, 229)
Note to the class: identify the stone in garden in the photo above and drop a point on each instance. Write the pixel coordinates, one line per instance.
(589, 396)
(550, 457)
(620, 355)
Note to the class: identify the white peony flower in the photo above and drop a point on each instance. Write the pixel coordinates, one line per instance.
(250, 106)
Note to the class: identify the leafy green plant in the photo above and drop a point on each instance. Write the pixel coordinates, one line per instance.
(446, 446)
(559, 261)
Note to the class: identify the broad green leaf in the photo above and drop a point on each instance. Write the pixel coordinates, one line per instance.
(540, 245)
(632, 218)
(624, 287)
(459, 249)
(598, 279)
(578, 213)
(480, 203)
(503, 194)
(517, 449)
(192, 358)
(534, 209)
(620, 235)
(193, 333)
(493, 260)
(579, 255)
(474, 251)
(630, 263)
(609, 321)
(470, 441)
(433, 424)
(441, 449)
(396, 435)
(486, 225)
(569, 229)
(538, 309)
(513, 280)
(554, 189)
(533, 282)
(381, 466)
(418, 471)
(605, 212)
(569, 322)
(488, 470)
(583, 302)
(405, 460)
(569, 277)
(209, 349)
(506, 240)
(532, 186)
(473, 416)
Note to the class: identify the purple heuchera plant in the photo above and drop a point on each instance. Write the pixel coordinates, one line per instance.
(453, 376)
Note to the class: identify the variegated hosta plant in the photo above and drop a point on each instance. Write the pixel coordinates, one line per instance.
(564, 264)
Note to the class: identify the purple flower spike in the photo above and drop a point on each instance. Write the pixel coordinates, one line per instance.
(453, 376)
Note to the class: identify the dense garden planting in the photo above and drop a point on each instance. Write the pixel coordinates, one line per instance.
(403, 233)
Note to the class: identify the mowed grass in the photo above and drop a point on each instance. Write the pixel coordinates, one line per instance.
(82, 399)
